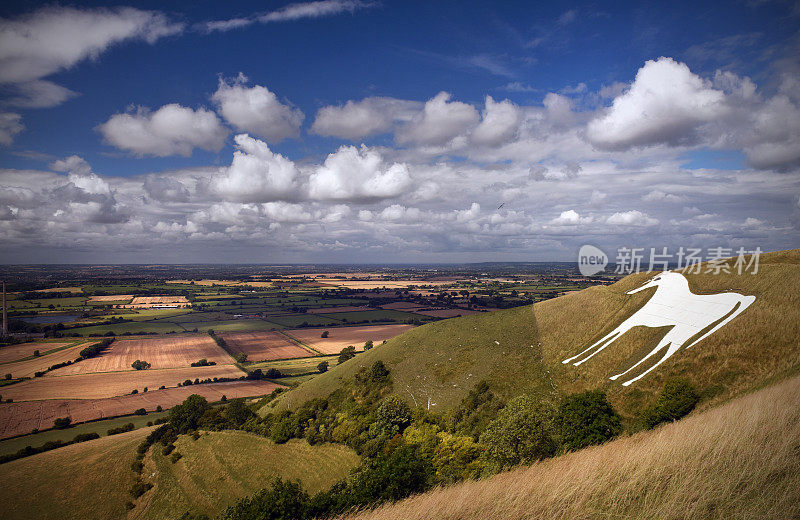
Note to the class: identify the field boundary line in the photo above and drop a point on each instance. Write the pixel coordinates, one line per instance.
(300, 343)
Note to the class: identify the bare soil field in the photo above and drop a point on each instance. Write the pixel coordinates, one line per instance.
(389, 284)
(171, 351)
(221, 282)
(446, 313)
(341, 337)
(30, 367)
(23, 350)
(21, 418)
(264, 346)
(111, 298)
(331, 310)
(402, 306)
(110, 384)
(147, 302)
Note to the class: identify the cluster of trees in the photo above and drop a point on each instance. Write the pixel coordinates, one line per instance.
(47, 446)
(96, 349)
(140, 364)
(203, 363)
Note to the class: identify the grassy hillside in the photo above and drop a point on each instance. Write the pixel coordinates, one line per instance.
(220, 467)
(82, 481)
(91, 480)
(739, 460)
(520, 350)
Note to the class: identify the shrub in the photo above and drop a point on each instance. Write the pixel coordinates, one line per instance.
(83, 437)
(140, 488)
(8, 377)
(36, 353)
(322, 367)
(282, 500)
(203, 363)
(368, 345)
(185, 416)
(394, 414)
(62, 423)
(677, 399)
(241, 357)
(346, 354)
(237, 412)
(121, 429)
(325, 334)
(378, 372)
(140, 365)
(134, 391)
(223, 398)
(587, 418)
(273, 373)
(176, 456)
(140, 411)
(521, 433)
(159, 409)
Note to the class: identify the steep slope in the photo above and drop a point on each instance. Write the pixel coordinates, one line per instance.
(91, 480)
(521, 350)
(739, 460)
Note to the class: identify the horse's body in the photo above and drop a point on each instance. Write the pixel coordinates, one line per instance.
(673, 304)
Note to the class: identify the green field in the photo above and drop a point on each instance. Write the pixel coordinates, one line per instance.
(91, 480)
(377, 315)
(9, 446)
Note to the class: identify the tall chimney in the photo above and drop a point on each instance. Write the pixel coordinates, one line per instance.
(5, 316)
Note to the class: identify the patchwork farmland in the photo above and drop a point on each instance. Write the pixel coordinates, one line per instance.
(263, 346)
(19, 418)
(173, 351)
(341, 337)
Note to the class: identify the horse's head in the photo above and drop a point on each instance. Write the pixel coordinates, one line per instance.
(667, 277)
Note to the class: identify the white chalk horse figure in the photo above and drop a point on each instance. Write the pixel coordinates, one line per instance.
(673, 304)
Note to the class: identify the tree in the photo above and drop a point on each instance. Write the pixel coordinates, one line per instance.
(62, 423)
(322, 367)
(347, 353)
(587, 418)
(237, 412)
(522, 433)
(368, 344)
(273, 373)
(140, 365)
(378, 372)
(394, 414)
(283, 500)
(677, 399)
(325, 334)
(185, 416)
(36, 353)
(241, 357)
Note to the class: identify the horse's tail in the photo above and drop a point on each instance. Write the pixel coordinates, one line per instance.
(743, 303)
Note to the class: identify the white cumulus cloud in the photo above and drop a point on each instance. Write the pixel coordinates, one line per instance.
(439, 122)
(358, 173)
(369, 116)
(665, 105)
(256, 174)
(499, 123)
(171, 130)
(631, 218)
(256, 110)
(10, 125)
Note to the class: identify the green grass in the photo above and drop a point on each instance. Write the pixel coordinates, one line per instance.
(294, 367)
(221, 467)
(9, 446)
(132, 327)
(443, 360)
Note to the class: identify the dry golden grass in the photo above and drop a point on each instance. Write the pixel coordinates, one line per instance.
(111, 298)
(264, 345)
(740, 460)
(23, 350)
(31, 366)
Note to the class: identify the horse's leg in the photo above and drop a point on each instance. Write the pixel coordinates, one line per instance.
(671, 350)
(743, 303)
(607, 339)
(661, 344)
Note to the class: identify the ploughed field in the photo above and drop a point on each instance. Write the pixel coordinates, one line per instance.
(264, 346)
(173, 351)
(20, 418)
(29, 367)
(109, 384)
(24, 350)
(341, 337)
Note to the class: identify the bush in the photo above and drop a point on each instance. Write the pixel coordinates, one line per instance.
(134, 391)
(140, 411)
(140, 365)
(140, 488)
(368, 345)
(241, 357)
(159, 409)
(185, 416)
(346, 354)
(378, 373)
(176, 456)
(8, 377)
(322, 367)
(203, 363)
(325, 334)
(587, 418)
(36, 353)
(237, 412)
(83, 437)
(521, 433)
(677, 399)
(121, 429)
(62, 423)
(394, 414)
(282, 500)
(273, 373)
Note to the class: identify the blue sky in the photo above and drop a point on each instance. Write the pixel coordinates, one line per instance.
(344, 130)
